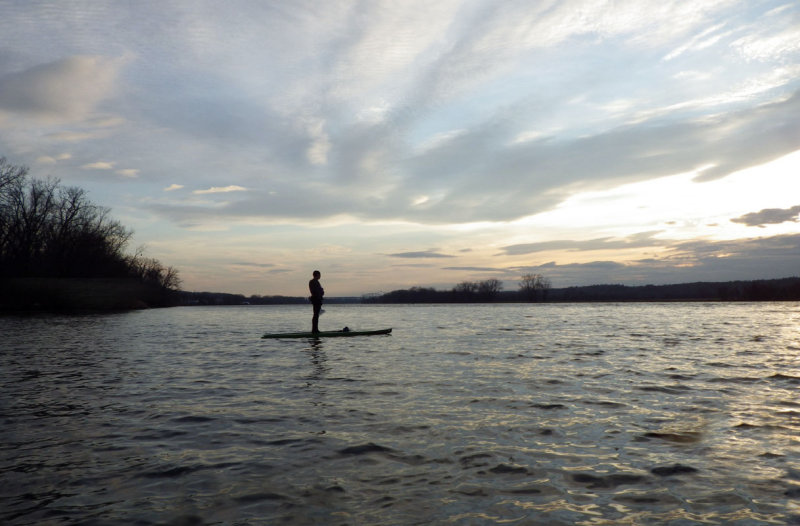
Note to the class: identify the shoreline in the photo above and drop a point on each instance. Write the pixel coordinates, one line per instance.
(20, 295)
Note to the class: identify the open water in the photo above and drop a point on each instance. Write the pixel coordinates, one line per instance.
(658, 413)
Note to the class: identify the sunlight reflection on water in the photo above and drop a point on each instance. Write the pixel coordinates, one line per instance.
(521, 414)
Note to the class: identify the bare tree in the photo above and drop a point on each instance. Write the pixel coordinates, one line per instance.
(47, 230)
(488, 289)
(465, 291)
(533, 286)
(11, 175)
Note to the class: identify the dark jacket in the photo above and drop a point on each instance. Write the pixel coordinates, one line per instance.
(316, 291)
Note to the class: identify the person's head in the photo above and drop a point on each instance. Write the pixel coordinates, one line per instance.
(317, 275)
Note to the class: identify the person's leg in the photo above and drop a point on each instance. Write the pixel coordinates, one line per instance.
(315, 318)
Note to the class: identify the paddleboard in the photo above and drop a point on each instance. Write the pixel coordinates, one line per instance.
(326, 334)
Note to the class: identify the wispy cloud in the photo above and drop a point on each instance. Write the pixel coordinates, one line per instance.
(476, 269)
(49, 159)
(221, 190)
(99, 165)
(420, 255)
(641, 240)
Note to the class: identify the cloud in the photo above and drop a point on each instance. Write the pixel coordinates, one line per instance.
(128, 172)
(770, 216)
(476, 269)
(471, 107)
(640, 240)
(320, 146)
(420, 254)
(221, 190)
(67, 89)
(478, 175)
(99, 165)
(69, 136)
(48, 159)
(255, 265)
(775, 44)
(173, 187)
(685, 261)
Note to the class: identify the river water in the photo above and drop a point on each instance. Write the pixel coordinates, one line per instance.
(657, 413)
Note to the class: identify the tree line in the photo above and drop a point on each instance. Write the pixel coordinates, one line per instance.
(48, 230)
(537, 288)
(532, 287)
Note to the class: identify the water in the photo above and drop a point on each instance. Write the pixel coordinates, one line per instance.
(477, 414)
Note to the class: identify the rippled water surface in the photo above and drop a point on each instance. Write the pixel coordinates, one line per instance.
(477, 414)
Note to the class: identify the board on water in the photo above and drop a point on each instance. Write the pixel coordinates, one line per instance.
(326, 334)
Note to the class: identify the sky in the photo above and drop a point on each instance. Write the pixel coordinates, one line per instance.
(393, 144)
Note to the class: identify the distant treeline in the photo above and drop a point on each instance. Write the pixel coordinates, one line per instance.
(223, 298)
(56, 246)
(786, 289)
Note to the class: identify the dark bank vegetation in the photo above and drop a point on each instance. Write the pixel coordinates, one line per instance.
(223, 298)
(58, 250)
(536, 288)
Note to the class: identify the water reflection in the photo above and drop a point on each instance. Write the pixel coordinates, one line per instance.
(318, 359)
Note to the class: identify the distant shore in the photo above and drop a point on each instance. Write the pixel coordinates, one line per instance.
(110, 294)
(784, 289)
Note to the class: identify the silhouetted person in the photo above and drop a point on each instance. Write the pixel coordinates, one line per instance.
(317, 292)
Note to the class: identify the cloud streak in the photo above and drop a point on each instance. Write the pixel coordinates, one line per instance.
(221, 190)
(425, 254)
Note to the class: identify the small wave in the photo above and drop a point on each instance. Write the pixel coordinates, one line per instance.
(476, 460)
(605, 403)
(606, 481)
(510, 469)
(285, 441)
(193, 419)
(736, 380)
(172, 472)
(650, 499)
(672, 389)
(160, 434)
(527, 490)
(675, 469)
(259, 497)
(780, 376)
(685, 437)
(363, 449)
(548, 406)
